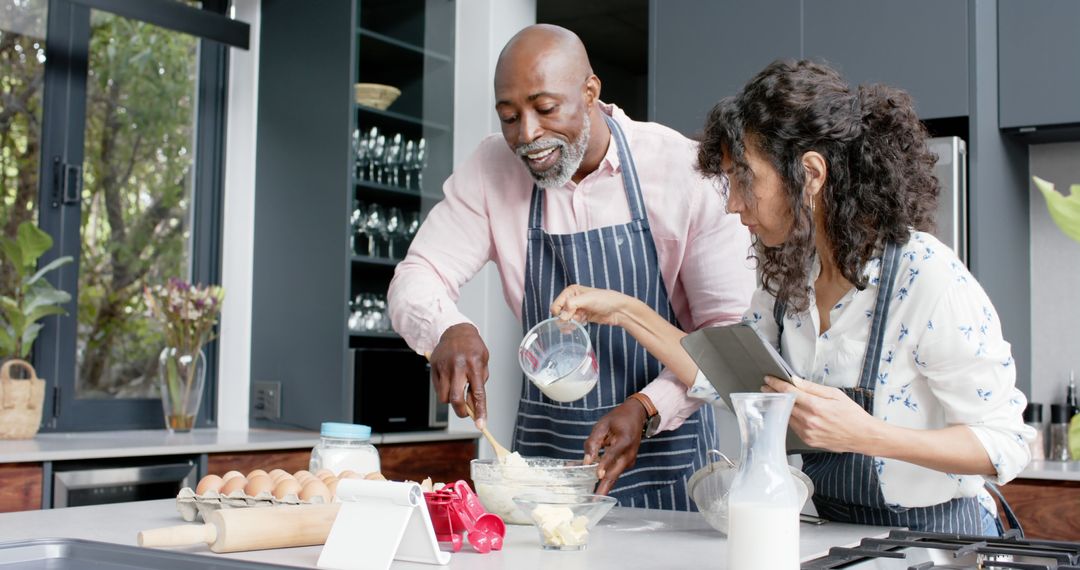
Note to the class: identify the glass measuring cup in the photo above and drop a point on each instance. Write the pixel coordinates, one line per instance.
(558, 358)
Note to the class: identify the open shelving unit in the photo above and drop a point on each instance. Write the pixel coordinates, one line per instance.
(306, 269)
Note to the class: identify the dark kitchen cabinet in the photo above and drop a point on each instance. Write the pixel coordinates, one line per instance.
(309, 264)
(920, 46)
(703, 50)
(1038, 64)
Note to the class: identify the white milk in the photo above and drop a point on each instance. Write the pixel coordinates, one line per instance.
(762, 536)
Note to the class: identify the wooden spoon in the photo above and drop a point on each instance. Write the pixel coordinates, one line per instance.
(500, 451)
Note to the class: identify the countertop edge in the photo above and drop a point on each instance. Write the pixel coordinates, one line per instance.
(95, 445)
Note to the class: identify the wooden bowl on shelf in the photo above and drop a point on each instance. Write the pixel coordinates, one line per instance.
(375, 95)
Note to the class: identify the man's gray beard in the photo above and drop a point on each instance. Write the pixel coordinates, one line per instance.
(570, 157)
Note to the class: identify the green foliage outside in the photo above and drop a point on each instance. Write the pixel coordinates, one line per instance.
(140, 117)
(1064, 210)
(32, 297)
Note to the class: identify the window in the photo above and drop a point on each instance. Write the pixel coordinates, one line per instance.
(129, 107)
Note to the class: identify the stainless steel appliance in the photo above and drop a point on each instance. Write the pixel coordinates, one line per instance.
(393, 391)
(79, 483)
(952, 213)
(905, 549)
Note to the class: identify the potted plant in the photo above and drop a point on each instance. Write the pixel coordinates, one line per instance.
(30, 298)
(188, 314)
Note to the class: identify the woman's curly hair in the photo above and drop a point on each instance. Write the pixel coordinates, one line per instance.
(879, 183)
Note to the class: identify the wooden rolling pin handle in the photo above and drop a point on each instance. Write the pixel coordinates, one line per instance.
(183, 535)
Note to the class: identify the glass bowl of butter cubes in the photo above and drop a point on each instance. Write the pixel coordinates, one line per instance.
(564, 520)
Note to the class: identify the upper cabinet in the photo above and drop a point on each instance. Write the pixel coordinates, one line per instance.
(920, 46)
(703, 50)
(1038, 63)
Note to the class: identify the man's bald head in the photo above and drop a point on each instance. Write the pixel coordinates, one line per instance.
(553, 47)
(545, 96)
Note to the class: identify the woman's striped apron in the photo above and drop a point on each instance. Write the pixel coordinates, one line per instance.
(622, 258)
(846, 485)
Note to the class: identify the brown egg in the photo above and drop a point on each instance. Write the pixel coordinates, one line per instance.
(255, 472)
(347, 474)
(375, 476)
(328, 478)
(332, 487)
(233, 485)
(286, 487)
(322, 473)
(231, 474)
(258, 484)
(277, 474)
(209, 483)
(315, 488)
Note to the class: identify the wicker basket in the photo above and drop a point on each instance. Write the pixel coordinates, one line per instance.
(375, 95)
(20, 401)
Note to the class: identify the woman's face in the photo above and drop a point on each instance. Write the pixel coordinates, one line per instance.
(768, 216)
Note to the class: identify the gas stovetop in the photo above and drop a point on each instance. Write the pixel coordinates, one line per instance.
(906, 550)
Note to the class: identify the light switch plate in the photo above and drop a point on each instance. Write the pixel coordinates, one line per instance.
(266, 400)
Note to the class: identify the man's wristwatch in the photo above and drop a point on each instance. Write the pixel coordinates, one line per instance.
(652, 417)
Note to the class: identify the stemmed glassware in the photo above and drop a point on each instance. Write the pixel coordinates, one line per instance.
(367, 313)
(374, 226)
(394, 231)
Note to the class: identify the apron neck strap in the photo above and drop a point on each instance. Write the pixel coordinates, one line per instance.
(890, 263)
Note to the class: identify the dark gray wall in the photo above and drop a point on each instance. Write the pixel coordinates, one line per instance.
(701, 51)
(998, 202)
(1039, 61)
(300, 283)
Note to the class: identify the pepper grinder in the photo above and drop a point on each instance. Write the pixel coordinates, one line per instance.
(1033, 416)
(1060, 414)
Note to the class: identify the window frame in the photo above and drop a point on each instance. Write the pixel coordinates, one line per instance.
(62, 137)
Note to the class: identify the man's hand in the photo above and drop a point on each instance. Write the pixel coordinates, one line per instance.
(459, 360)
(618, 435)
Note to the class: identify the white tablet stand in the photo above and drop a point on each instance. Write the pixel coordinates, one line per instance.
(380, 521)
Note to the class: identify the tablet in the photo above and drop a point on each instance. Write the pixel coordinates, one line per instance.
(734, 358)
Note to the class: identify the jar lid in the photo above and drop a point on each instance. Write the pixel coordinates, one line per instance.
(1033, 413)
(1060, 413)
(351, 431)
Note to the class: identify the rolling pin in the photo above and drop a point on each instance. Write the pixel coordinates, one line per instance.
(256, 528)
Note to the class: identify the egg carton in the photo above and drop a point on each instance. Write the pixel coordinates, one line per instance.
(192, 506)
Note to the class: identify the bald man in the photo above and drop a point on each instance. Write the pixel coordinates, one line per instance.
(574, 191)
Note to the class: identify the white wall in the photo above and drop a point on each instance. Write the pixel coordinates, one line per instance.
(234, 346)
(483, 27)
(1055, 279)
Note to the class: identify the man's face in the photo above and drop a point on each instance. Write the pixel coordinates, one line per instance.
(545, 120)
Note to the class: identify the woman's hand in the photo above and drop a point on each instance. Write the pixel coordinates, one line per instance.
(826, 418)
(586, 304)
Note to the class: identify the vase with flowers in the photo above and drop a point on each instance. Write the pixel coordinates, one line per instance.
(187, 314)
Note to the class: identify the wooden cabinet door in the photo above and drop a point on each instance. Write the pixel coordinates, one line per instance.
(1046, 509)
(20, 487)
(443, 461)
(288, 459)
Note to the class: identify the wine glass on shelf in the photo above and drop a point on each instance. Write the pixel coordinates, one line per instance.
(374, 224)
(392, 160)
(411, 228)
(420, 163)
(395, 230)
(407, 162)
(358, 234)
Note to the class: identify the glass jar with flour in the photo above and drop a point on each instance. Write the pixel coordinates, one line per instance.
(345, 447)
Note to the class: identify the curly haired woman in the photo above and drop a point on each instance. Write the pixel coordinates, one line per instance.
(905, 378)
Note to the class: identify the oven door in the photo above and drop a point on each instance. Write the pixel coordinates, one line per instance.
(78, 485)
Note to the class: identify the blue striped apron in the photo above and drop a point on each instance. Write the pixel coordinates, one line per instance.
(622, 258)
(846, 485)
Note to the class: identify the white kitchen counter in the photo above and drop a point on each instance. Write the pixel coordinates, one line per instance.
(1052, 471)
(625, 539)
(139, 443)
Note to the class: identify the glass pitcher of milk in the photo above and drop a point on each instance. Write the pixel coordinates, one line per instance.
(763, 504)
(557, 357)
